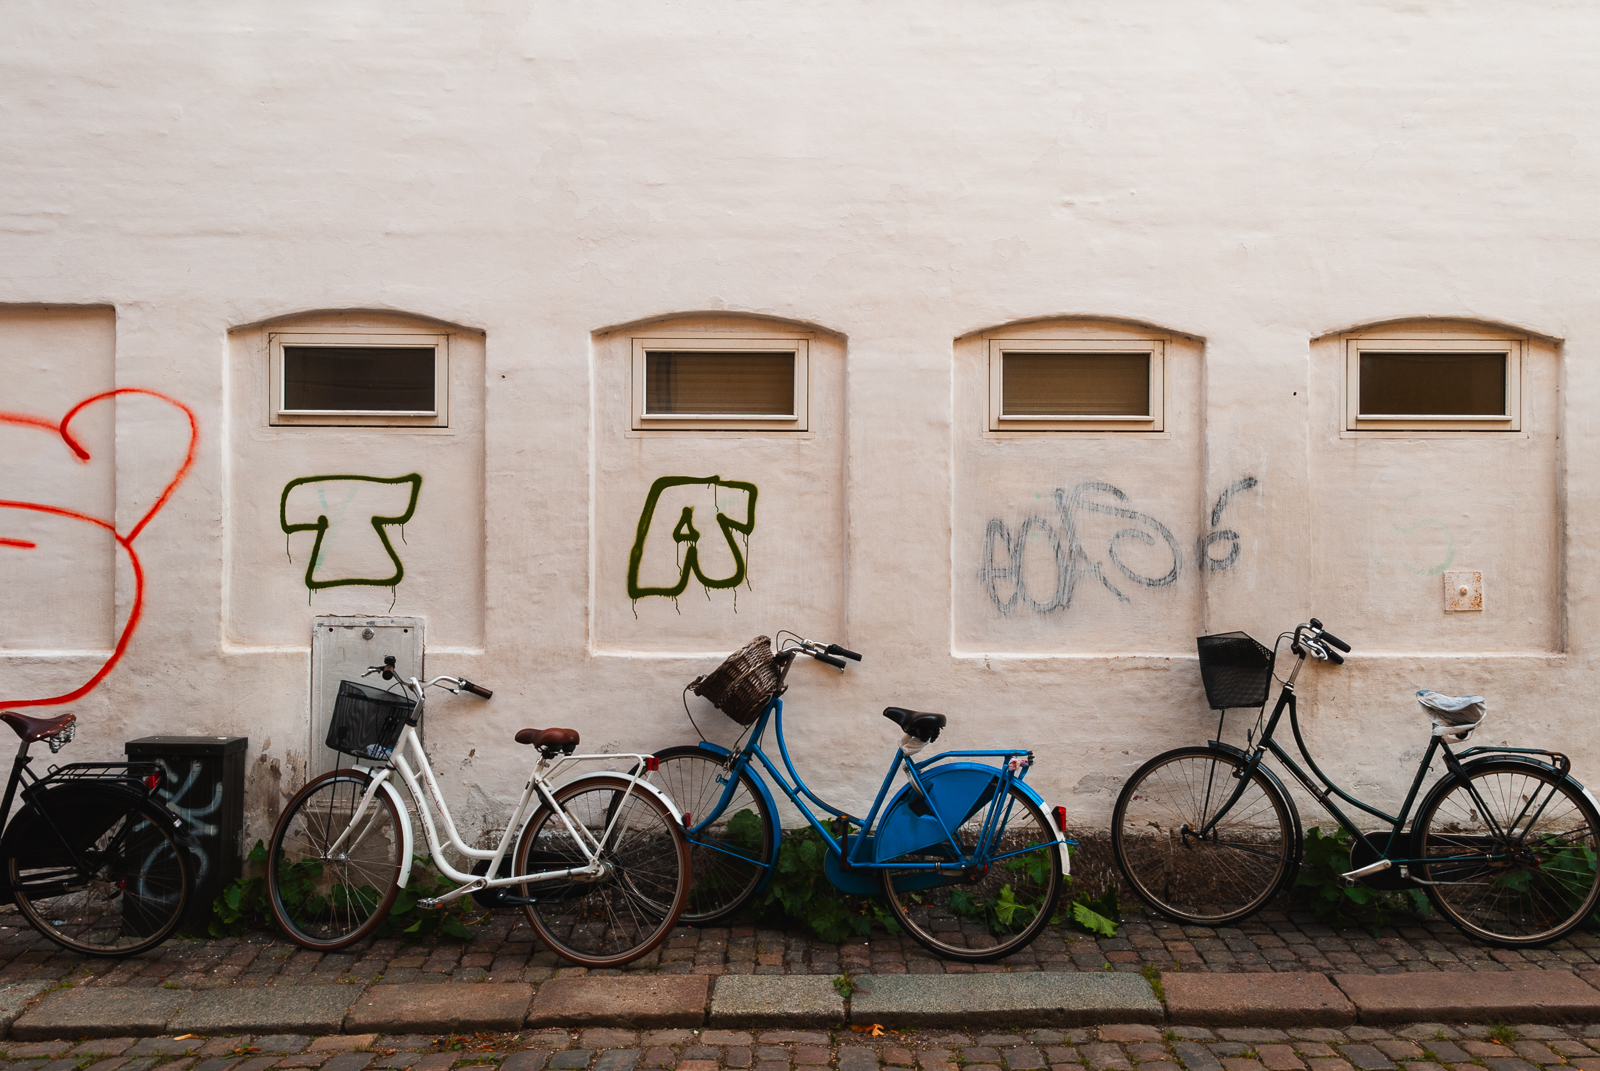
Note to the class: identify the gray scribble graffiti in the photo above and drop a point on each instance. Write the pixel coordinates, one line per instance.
(186, 798)
(1003, 573)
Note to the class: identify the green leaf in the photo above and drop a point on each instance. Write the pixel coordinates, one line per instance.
(1093, 921)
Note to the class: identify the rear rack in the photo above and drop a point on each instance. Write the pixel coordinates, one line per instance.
(136, 773)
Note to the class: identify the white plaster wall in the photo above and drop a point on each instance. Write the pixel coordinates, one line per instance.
(1252, 175)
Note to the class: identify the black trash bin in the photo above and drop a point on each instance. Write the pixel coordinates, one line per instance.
(204, 785)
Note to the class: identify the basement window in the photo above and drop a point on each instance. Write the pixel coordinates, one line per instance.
(338, 379)
(1054, 384)
(720, 384)
(1433, 384)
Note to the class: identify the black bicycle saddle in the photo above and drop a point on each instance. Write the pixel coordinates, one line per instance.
(924, 727)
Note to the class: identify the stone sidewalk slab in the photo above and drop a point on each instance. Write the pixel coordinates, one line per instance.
(1255, 1000)
(747, 1000)
(100, 1013)
(636, 1002)
(1450, 996)
(295, 1009)
(996, 1000)
(14, 997)
(421, 1007)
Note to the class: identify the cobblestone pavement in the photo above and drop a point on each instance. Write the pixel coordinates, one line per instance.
(505, 950)
(1418, 1047)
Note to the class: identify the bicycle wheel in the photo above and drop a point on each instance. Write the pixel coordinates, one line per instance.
(332, 878)
(1230, 873)
(729, 854)
(1004, 908)
(99, 873)
(1512, 847)
(629, 908)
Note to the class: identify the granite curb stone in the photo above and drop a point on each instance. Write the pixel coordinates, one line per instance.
(14, 997)
(100, 1012)
(638, 1002)
(298, 1009)
(425, 1007)
(988, 1000)
(775, 1000)
(1283, 999)
(1513, 996)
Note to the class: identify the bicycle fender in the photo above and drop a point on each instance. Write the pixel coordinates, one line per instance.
(1527, 759)
(639, 782)
(407, 838)
(776, 828)
(1062, 840)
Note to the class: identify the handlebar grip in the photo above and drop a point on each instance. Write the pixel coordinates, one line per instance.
(1336, 641)
(835, 649)
(832, 661)
(1335, 657)
(476, 689)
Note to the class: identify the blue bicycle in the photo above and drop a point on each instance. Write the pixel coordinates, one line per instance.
(962, 851)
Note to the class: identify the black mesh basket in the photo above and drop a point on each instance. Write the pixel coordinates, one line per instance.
(1237, 670)
(367, 722)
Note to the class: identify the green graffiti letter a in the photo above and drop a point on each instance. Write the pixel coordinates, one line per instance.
(686, 536)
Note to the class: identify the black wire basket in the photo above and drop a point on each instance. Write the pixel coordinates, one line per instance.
(367, 722)
(1237, 670)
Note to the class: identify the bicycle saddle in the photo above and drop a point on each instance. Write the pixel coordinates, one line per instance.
(924, 727)
(550, 741)
(35, 729)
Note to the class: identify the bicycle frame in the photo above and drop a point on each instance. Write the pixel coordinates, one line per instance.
(798, 792)
(424, 789)
(1397, 838)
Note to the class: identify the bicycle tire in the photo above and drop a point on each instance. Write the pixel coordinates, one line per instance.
(1252, 853)
(1544, 886)
(971, 921)
(731, 855)
(633, 906)
(132, 888)
(327, 904)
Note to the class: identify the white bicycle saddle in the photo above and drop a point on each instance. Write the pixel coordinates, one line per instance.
(1453, 716)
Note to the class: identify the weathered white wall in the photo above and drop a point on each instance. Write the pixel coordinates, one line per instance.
(896, 176)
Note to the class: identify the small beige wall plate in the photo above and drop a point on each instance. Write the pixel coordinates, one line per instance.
(1463, 590)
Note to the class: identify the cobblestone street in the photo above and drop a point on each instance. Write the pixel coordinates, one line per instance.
(505, 950)
(1415, 1047)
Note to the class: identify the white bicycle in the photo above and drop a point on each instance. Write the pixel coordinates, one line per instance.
(600, 864)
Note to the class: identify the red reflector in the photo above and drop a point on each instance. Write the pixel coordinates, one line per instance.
(686, 822)
(652, 763)
(151, 781)
(1061, 819)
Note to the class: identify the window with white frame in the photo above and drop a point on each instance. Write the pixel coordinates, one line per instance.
(359, 379)
(1433, 384)
(1077, 384)
(721, 384)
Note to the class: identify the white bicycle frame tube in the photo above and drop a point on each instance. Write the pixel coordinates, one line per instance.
(537, 784)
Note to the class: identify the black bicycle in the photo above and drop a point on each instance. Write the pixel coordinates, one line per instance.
(1505, 843)
(91, 860)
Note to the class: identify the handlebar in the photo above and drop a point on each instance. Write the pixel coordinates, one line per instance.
(830, 653)
(468, 686)
(1312, 639)
(416, 686)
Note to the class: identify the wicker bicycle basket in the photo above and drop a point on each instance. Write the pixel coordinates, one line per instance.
(741, 686)
(1237, 670)
(367, 722)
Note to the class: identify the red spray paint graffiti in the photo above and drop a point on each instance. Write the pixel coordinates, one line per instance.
(63, 428)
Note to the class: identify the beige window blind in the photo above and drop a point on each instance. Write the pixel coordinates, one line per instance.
(719, 383)
(1076, 384)
(1432, 383)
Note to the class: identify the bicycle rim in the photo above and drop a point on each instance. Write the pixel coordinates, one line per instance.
(730, 855)
(130, 891)
(631, 906)
(998, 911)
(1234, 869)
(331, 882)
(1514, 854)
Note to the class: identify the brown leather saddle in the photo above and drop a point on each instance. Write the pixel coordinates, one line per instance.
(36, 729)
(550, 741)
